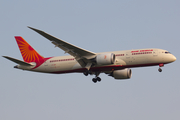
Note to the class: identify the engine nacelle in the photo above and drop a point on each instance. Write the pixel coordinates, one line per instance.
(122, 74)
(105, 59)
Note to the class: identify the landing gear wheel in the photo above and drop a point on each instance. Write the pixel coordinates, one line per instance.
(98, 79)
(86, 73)
(94, 80)
(160, 70)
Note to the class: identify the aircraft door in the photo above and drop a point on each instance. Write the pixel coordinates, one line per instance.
(45, 65)
(129, 58)
(155, 53)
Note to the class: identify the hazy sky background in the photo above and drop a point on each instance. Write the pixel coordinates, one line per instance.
(97, 26)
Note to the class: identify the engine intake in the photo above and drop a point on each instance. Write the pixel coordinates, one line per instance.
(105, 59)
(122, 74)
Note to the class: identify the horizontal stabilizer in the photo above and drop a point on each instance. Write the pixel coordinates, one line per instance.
(17, 61)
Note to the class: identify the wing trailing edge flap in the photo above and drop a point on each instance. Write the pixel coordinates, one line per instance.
(17, 61)
(81, 55)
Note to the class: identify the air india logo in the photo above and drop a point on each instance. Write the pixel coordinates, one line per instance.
(28, 53)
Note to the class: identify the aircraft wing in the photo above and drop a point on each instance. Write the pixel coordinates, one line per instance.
(81, 55)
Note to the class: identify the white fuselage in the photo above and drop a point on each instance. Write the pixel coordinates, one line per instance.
(124, 59)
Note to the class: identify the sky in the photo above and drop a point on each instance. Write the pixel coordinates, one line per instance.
(97, 26)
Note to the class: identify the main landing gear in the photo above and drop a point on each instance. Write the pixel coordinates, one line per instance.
(96, 79)
(160, 65)
(86, 73)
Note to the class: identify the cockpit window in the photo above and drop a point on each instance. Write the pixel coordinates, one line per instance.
(167, 52)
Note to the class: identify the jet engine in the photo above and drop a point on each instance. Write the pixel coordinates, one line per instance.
(122, 74)
(105, 59)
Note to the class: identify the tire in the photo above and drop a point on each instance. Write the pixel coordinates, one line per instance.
(98, 79)
(160, 70)
(94, 80)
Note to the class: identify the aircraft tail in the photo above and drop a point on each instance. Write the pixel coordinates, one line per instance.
(28, 53)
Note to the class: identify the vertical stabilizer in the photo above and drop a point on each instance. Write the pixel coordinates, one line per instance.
(28, 53)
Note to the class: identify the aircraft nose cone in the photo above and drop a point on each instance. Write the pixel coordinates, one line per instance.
(174, 58)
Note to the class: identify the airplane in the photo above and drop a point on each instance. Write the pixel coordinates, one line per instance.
(116, 64)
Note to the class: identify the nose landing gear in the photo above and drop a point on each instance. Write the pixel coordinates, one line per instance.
(160, 65)
(160, 70)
